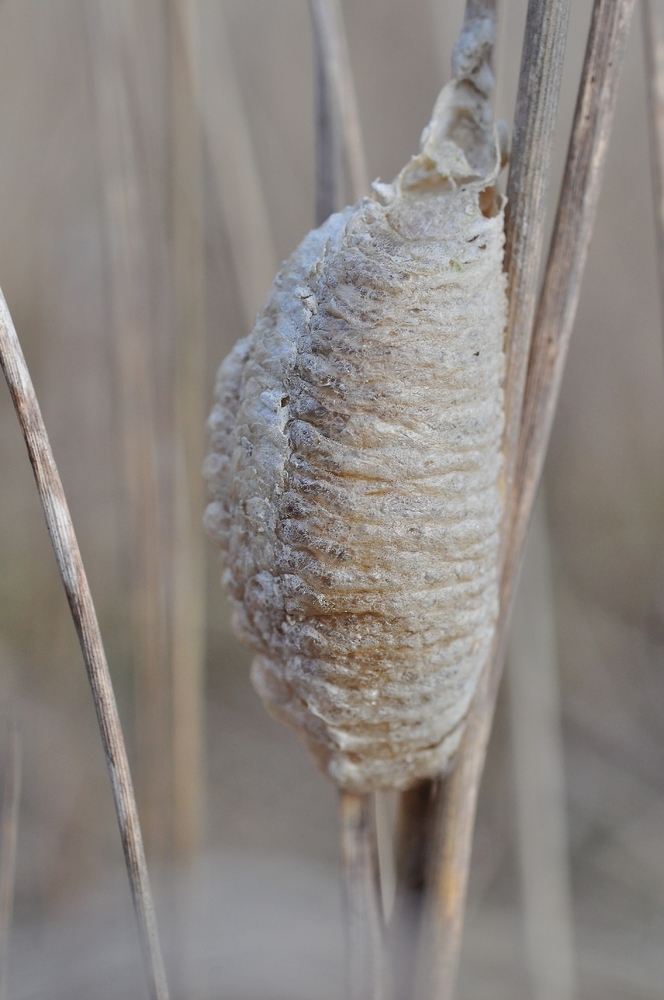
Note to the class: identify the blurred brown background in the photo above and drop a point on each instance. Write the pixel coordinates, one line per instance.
(267, 895)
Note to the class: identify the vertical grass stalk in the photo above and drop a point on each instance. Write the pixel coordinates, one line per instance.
(553, 326)
(10, 816)
(72, 571)
(188, 571)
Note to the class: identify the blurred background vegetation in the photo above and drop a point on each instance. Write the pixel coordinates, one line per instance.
(101, 179)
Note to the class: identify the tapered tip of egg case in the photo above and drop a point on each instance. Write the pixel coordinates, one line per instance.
(356, 462)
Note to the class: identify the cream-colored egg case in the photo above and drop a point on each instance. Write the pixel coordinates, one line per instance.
(356, 464)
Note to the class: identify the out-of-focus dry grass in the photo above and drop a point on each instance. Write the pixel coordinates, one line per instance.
(604, 478)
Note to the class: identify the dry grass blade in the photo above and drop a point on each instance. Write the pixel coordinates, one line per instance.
(527, 189)
(329, 171)
(237, 177)
(68, 556)
(362, 901)
(575, 218)
(555, 317)
(652, 20)
(188, 571)
(135, 242)
(334, 62)
(539, 772)
(539, 87)
(10, 813)
(413, 837)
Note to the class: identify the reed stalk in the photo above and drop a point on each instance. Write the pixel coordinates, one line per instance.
(10, 816)
(237, 180)
(337, 105)
(188, 566)
(72, 572)
(537, 100)
(652, 22)
(537, 744)
(137, 299)
(329, 169)
(553, 326)
(366, 973)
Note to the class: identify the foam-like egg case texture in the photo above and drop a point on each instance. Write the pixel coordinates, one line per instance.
(356, 471)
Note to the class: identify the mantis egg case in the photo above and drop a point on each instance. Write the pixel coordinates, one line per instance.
(356, 464)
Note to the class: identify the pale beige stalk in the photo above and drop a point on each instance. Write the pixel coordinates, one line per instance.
(188, 569)
(72, 572)
(539, 770)
(652, 22)
(366, 971)
(10, 816)
(237, 178)
(556, 311)
(138, 316)
(336, 91)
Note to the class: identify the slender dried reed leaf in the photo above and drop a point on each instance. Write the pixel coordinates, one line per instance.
(414, 831)
(555, 317)
(10, 814)
(329, 172)
(138, 280)
(188, 572)
(237, 178)
(362, 902)
(540, 776)
(334, 61)
(652, 21)
(527, 190)
(573, 228)
(70, 564)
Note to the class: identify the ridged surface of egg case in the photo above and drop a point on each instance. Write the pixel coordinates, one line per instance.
(356, 471)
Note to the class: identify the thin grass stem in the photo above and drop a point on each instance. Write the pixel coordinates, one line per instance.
(555, 317)
(238, 184)
(329, 152)
(539, 772)
(417, 811)
(362, 899)
(8, 851)
(652, 22)
(138, 282)
(72, 571)
(188, 568)
(527, 190)
(572, 232)
(334, 62)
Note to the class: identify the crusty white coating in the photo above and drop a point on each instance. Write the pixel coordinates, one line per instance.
(356, 465)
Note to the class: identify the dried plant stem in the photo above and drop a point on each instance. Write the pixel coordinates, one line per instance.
(231, 153)
(68, 556)
(362, 900)
(413, 842)
(329, 172)
(539, 772)
(340, 110)
(652, 21)
(539, 88)
(553, 326)
(527, 190)
(10, 814)
(188, 572)
(137, 294)
(573, 228)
